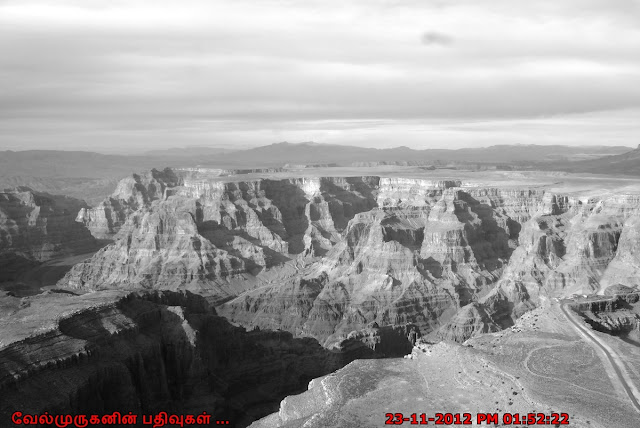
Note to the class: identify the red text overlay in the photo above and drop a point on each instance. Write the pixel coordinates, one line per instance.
(116, 418)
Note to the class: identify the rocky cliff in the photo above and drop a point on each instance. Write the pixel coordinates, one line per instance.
(325, 257)
(36, 227)
(427, 250)
(616, 313)
(131, 193)
(569, 247)
(147, 352)
(203, 233)
(536, 366)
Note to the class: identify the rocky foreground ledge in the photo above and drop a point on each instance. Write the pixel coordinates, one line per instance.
(147, 352)
(540, 365)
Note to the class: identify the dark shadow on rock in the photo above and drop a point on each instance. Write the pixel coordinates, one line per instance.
(161, 351)
(345, 204)
(407, 237)
(222, 237)
(291, 201)
(488, 241)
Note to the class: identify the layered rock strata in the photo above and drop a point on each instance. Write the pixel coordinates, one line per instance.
(570, 247)
(428, 250)
(618, 313)
(204, 232)
(36, 227)
(325, 257)
(147, 352)
(132, 193)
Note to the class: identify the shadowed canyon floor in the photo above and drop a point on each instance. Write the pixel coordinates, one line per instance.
(236, 290)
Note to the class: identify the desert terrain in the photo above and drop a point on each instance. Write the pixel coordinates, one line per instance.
(319, 214)
(540, 365)
(364, 289)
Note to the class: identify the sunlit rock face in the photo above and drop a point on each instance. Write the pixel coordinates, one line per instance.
(36, 227)
(198, 233)
(159, 247)
(572, 248)
(131, 194)
(418, 259)
(624, 268)
(471, 320)
(327, 256)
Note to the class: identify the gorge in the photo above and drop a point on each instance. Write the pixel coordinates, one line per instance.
(233, 290)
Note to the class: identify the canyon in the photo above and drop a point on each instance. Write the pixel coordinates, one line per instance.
(233, 289)
(36, 227)
(325, 257)
(147, 352)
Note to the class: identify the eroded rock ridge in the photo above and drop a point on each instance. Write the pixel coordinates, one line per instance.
(330, 257)
(146, 352)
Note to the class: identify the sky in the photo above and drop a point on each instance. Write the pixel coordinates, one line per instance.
(134, 75)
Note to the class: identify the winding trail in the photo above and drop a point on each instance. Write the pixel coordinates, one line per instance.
(608, 352)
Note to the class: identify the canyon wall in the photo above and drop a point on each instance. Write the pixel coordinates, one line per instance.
(204, 232)
(146, 352)
(36, 227)
(329, 257)
(617, 313)
(132, 193)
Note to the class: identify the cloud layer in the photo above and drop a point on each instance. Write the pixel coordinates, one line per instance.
(84, 74)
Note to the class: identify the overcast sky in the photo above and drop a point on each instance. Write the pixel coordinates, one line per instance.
(133, 75)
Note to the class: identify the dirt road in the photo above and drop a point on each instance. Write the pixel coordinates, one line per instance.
(620, 371)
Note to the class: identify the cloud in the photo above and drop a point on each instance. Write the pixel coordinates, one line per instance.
(435, 38)
(73, 71)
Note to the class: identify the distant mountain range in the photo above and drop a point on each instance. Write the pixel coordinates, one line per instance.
(627, 163)
(88, 175)
(189, 151)
(281, 153)
(57, 163)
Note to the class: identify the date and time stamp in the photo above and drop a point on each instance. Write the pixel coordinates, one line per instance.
(551, 419)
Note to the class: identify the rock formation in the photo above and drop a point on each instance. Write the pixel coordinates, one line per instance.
(132, 193)
(146, 352)
(36, 227)
(624, 268)
(618, 313)
(394, 163)
(568, 248)
(305, 274)
(324, 257)
(204, 232)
